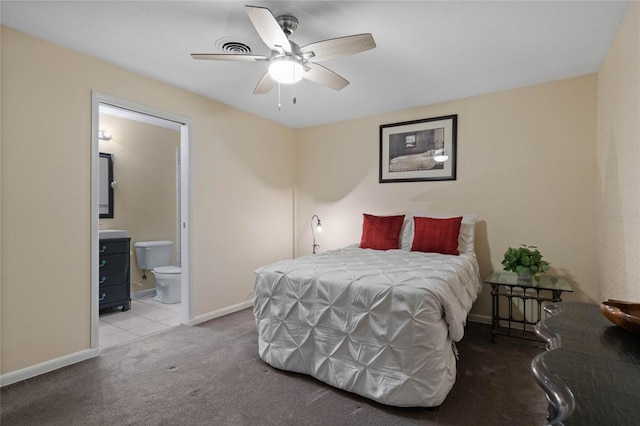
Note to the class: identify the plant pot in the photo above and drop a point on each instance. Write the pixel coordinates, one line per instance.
(525, 278)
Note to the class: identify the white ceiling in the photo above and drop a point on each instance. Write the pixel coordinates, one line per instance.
(427, 51)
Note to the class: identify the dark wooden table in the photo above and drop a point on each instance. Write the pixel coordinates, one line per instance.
(591, 371)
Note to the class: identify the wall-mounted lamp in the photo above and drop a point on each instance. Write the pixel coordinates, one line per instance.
(440, 156)
(318, 228)
(103, 135)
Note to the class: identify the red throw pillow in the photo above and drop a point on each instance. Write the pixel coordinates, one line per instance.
(436, 235)
(381, 232)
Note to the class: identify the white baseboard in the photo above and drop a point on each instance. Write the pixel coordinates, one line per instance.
(220, 312)
(47, 366)
(483, 319)
(143, 293)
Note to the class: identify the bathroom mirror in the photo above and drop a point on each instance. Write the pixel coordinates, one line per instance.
(105, 186)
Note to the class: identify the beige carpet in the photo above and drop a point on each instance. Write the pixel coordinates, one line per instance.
(211, 374)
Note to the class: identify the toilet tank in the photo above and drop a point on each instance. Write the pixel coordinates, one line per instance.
(151, 254)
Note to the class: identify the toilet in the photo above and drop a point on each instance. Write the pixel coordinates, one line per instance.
(155, 256)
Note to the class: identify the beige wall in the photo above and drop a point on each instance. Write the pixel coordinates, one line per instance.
(242, 174)
(618, 185)
(526, 167)
(145, 194)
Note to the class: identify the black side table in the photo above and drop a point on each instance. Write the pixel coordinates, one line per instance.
(507, 286)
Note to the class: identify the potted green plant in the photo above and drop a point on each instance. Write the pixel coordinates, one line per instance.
(526, 261)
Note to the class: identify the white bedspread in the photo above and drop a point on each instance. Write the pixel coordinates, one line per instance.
(376, 323)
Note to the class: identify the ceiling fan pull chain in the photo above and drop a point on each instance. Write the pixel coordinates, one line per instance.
(279, 104)
(294, 91)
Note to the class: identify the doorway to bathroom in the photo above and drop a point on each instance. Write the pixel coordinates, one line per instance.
(148, 201)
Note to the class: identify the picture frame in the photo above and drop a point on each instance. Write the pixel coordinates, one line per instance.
(419, 150)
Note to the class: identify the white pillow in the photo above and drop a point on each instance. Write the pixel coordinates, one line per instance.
(466, 237)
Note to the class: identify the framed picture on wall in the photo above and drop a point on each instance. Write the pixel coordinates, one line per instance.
(419, 150)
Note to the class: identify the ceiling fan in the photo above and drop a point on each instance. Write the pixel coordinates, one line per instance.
(288, 62)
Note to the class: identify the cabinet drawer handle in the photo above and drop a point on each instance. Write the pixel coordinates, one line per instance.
(103, 249)
(103, 296)
(104, 262)
(102, 280)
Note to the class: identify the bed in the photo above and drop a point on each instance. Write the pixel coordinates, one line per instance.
(377, 322)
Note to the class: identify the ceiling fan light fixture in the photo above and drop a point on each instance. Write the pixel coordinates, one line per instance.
(288, 62)
(286, 70)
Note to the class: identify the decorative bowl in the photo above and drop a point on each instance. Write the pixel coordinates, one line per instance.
(623, 314)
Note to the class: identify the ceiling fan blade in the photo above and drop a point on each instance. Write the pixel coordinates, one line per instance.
(229, 57)
(268, 28)
(336, 47)
(324, 76)
(265, 84)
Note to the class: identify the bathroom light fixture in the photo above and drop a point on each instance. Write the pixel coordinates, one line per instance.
(318, 228)
(104, 135)
(440, 156)
(285, 70)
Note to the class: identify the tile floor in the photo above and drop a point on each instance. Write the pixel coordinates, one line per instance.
(146, 316)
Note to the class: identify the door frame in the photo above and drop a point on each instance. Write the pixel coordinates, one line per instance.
(98, 98)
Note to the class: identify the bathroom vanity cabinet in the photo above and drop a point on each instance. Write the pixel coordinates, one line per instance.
(113, 275)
